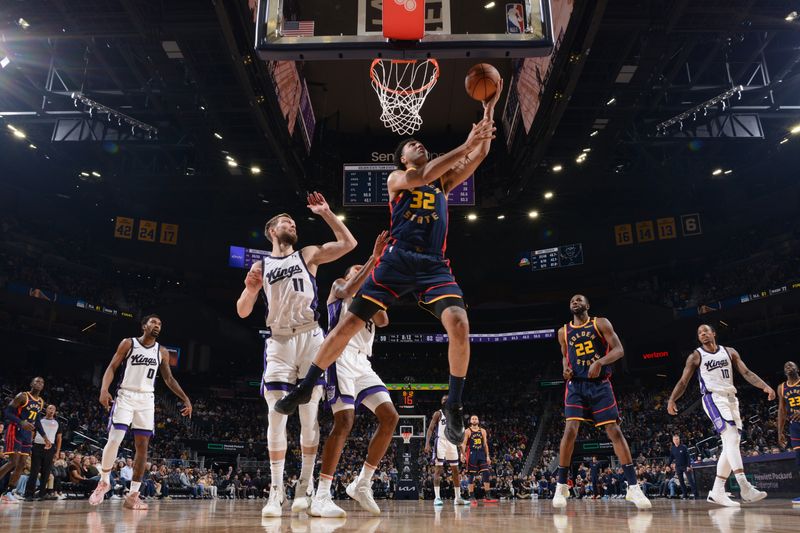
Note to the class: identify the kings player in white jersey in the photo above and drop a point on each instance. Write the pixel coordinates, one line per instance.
(351, 382)
(288, 280)
(140, 358)
(714, 365)
(444, 453)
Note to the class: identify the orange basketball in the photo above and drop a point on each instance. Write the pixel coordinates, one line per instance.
(481, 81)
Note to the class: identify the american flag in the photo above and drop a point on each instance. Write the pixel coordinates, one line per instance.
(298, 28)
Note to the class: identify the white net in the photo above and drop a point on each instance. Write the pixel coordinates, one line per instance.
(402, 86)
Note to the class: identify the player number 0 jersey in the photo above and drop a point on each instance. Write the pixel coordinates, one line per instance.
(140, 367)
(716, 371)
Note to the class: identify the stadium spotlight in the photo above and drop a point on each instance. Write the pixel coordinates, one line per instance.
(795, 129)
(501, 217)
(472, 216)
(255, 170)
(557, 168)
(548, 195)
(791, 17)
(717, 172)
(232, 163)
(490, 5)
(533, 214)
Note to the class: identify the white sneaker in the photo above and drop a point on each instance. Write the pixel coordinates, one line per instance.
(361, 492)
(99, 493)
(8, 498)
(323, 507)
(751, 494)
(302, 496)
(721, 498)
(460, 501)
(636, 496)
(560, 496)
(274, 505)
(438, 502)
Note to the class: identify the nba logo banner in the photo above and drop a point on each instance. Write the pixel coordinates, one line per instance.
(515, 18)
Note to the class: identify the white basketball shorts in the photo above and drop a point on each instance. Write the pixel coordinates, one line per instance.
(444, 452)
(351, 381)
(287, 359)
(134, 410)
(723, 410)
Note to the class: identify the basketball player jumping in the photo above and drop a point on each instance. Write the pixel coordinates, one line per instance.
(476, 449)
(134, 405)
(288, 279)
(588, 347)
(789, 406)
(444, 453)
(23, 417)
(352, 381)
(414, 262)
(714, 367)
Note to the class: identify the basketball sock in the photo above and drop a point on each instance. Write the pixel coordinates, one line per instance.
(367, 471)
(456, 388)
(630, 474)
(457, 489)
(436, 491)
(307, 468)
(719, 484)
(741, 479)
(135, 486)
(313, 374)
(562, 474)
(105, 476)
(324, 487)
(276, 470)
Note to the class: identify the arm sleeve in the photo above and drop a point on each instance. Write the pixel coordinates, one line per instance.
(11, 415)
(40, 429)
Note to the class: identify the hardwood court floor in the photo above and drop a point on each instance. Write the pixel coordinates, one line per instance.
(419, 517)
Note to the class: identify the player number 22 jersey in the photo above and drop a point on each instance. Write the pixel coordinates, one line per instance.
(716, 371)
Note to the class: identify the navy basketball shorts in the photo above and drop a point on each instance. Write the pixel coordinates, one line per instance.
(399, 272)
(794, 439)
(476, 464)
(18, 440)
(591, 401)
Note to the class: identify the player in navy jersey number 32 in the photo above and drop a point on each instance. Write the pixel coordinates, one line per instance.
(413, 261)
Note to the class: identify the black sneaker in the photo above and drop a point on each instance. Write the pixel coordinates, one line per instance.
(288, 404)
(454, 430)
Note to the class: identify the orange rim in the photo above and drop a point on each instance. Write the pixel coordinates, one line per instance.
(425, 87)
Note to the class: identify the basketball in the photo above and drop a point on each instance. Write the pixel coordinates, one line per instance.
(481, 81)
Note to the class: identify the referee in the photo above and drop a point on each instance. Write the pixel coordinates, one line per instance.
(46, 446)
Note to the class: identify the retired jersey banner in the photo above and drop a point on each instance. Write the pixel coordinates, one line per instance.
(623, 234)
(123, 228)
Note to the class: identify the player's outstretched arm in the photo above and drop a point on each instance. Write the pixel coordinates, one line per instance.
(330, 251)
(466, 167)
(692, 362)
(781, 417)
(123, 350)
(749, 375)
(172, 383)
(436, 168)
(253, 282)
(345, 289)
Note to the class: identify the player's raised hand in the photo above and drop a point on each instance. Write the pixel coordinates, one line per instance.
(770, 392)
(482, 131)
(317, 203)
(491, 102)
(672, 407)
(187, 409)
(380, 243)
(595, 369)
(105, 399)
(253, 281)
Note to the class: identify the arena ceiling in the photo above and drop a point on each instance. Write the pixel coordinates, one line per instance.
(187, 68)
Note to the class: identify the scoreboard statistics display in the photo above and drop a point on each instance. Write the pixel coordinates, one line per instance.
(558, 257)
(365, 185)
(240, 257)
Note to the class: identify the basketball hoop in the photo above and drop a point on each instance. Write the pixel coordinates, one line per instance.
(402, 86)
(406, 437)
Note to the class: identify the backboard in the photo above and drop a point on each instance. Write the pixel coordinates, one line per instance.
(352, 29)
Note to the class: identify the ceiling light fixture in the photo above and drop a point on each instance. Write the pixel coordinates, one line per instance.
(587, 150)
(548, 195)
(795, 129)
(720, 98)
(217, 135)
(98, 108)
(612, 101)
(472, 216)
(729, 171)
(791, 17)
(557, 168)
(533, 214)
(95, 173)
(595, 132)
(340, 217)
(784, 141)
(5, 61)
(232, 163)
(255, 170)
(490, 5)
(717, 172)
(501, 217)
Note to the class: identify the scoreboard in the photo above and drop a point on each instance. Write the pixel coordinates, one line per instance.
(240, 257)
(365, 185)
(558, 257)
